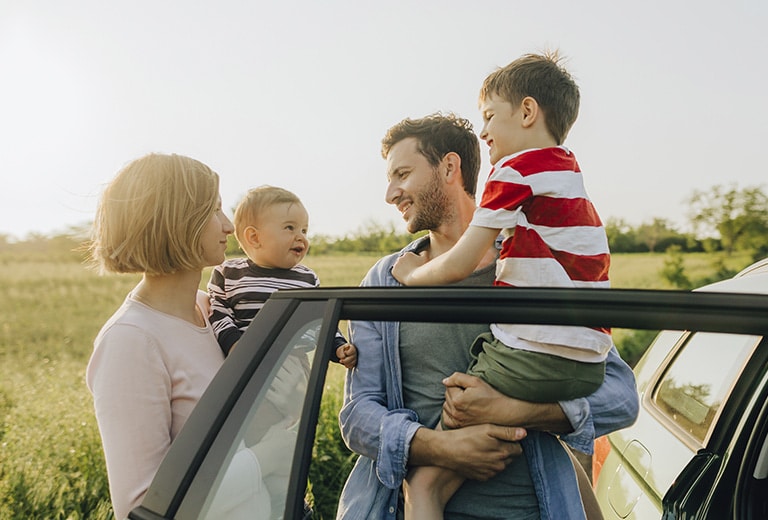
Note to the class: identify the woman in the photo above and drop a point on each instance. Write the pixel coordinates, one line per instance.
(160, 216)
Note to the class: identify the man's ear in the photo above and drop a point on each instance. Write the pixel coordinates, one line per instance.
(452, 164)
(251, 237)
(529, 111)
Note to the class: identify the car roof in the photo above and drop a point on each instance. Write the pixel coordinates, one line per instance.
(758, 267)
(752, 279)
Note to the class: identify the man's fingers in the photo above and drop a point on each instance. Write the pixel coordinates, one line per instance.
(507, 433)
(459, 379)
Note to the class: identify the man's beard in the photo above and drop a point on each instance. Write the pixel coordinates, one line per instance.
(433, 207)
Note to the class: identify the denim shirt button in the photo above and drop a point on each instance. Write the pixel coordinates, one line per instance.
(391, 510)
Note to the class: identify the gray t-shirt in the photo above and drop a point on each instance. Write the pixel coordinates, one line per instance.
(430, 352)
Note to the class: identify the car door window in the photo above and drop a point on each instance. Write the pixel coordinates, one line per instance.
(252, 479)
(697, 382)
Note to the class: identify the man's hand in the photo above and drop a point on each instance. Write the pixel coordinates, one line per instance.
(470, 400)
(476, 452)
(406, 264)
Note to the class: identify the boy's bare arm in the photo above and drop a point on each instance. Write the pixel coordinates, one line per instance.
(452, 266)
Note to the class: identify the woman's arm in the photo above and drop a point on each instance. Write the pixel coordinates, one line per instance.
(135, 426)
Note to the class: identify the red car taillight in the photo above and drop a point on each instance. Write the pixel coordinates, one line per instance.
(602, 449)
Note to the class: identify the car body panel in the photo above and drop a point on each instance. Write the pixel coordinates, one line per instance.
(677, 474)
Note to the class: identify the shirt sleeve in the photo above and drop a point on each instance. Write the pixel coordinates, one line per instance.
(373, 423)
(222, 316)
(503, 196)
(338, 341)
(132, 397)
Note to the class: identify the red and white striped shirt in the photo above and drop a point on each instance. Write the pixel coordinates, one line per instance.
(553, 237)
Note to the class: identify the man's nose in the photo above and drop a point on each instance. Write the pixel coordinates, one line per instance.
(392, 194)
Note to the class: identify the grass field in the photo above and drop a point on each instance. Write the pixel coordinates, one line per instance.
(51, 464)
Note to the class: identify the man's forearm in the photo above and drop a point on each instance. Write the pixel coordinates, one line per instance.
(425, 450)
(540, 416)
(476, 452)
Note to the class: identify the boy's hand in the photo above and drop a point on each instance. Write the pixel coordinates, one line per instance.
(406, 264)
(347, 355)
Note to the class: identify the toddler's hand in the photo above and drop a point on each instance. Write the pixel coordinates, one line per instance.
(405, 265)
(347, 355)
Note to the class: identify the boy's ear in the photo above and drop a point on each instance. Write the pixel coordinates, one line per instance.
(452, 163)
(529, 111)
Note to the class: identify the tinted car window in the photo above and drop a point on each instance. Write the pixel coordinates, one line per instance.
(697, 382)
(251, 477)
(253, 481)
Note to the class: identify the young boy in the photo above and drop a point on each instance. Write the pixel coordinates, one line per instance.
(552, 236)
(271, 227)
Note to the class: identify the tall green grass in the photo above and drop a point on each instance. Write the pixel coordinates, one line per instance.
(51, 463)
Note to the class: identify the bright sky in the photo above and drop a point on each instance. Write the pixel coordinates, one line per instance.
(299, 94)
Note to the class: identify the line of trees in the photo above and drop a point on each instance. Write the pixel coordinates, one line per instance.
(724, 218)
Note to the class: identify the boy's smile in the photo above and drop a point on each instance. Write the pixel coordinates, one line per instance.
(501, 127)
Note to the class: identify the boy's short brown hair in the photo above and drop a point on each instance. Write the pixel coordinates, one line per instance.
(152, 214)
(438, 134)
(255, 201)
(541, 77)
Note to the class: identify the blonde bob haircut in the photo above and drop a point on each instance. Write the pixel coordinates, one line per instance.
(152, 214)
(257, 200)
